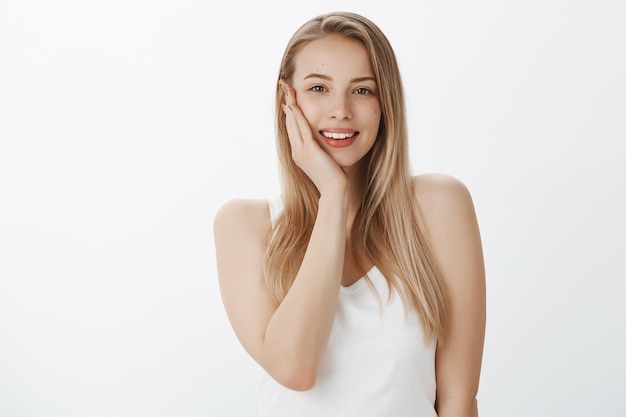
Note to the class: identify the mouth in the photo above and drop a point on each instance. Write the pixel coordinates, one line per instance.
(338, 135)
(339, 139)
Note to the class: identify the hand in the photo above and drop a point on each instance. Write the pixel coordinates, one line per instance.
(305, 151)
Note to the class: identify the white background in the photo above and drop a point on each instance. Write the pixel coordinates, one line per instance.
(124, 125)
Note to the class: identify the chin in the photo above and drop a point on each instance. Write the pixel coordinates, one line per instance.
(348, 165)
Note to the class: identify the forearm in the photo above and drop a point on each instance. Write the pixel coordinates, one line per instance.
(298, 332)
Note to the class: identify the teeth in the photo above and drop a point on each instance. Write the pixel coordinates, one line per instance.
(332, 135)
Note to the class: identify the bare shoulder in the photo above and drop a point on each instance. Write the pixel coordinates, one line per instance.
(447, 212)
(240, 227)
(250, 214)
(439, 189)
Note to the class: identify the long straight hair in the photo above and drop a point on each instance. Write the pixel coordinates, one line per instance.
(388, 227)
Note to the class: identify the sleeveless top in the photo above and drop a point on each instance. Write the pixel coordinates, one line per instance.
(376, 364)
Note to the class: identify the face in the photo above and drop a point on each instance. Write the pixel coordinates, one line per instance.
(337, 92)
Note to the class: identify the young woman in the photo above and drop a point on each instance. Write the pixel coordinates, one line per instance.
(361, 290)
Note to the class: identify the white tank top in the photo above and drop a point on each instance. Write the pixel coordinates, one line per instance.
(376, 363)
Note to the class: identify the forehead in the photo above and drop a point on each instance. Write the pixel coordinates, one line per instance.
(333, 55)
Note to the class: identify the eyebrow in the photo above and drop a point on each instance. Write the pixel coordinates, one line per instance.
(326, 77)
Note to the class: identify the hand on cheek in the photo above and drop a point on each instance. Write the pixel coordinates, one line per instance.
(305, 151)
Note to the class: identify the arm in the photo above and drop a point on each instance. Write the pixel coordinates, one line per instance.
(453, 230)
(287, 340)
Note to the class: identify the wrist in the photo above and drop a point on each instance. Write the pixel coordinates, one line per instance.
(334, 197)
(336, 187)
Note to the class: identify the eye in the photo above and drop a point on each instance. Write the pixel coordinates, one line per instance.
(317, 89)
(363, 91)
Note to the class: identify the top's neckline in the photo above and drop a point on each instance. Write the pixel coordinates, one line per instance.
(361, 282)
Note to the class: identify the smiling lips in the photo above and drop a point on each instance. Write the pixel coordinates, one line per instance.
(339, 139)
(337, 135)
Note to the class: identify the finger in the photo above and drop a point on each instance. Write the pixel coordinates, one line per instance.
(293, 131)
(302, 122)
(289, 93)
(294, 117)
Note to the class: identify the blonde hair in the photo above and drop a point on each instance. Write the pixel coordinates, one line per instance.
(387, 228)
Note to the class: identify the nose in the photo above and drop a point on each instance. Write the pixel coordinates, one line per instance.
(340, 107)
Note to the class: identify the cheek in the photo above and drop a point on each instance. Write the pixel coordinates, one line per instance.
(377, 114)
(309, 109)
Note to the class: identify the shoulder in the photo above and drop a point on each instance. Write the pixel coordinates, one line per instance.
(441, 195)
(251, 214)
(447, 213)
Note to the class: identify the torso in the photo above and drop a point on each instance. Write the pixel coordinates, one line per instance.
(376, 362)
(360, 323)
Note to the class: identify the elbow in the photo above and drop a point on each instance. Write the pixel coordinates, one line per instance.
(293, 368)
(457, 407)
(296, 378)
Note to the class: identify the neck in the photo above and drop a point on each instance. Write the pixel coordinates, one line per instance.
(355, 176)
